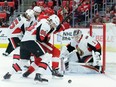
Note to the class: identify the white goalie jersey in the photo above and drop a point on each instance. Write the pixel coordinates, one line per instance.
(85, 45)
(87, 49)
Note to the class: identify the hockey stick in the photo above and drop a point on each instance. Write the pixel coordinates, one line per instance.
(50, 68)
(77, 63)
(86, 65)
(58, 27)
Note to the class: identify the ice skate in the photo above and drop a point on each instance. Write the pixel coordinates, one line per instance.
(39, 78)
(55, 72)
(7, 75)
(5, 54)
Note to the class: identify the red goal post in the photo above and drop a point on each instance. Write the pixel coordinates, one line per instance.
(93, 27)
(105, 34)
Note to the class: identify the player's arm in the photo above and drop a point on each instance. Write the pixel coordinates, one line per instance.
(95, 46)
(62, 27)
(42, 33)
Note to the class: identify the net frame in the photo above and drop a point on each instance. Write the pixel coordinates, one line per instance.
(92, 26)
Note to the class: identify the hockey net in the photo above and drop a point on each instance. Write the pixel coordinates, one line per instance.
(106, 35)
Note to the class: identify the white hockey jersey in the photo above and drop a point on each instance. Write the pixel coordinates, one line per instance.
(18, 26)
(86, 44)
(43, 28)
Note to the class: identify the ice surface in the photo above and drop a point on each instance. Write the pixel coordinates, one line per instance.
(78, 80)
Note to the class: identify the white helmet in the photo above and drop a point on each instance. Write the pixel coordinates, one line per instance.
(30, 13)
(55, 19)
(37, 9)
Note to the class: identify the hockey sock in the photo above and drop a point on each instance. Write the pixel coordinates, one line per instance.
(31, 69)
(9, 48)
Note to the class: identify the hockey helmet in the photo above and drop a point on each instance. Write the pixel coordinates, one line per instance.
(37, 9)
(55, 19)
(30, 13)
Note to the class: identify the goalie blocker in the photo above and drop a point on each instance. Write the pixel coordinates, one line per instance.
(87, 49)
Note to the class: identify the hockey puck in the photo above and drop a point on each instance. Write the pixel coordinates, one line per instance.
(69, 81)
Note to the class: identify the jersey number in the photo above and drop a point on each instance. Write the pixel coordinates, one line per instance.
(14, 23)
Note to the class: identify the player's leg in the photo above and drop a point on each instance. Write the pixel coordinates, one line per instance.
(18, 64)
(42, 67)
(55, 58)
(32, 67)
(13, 43)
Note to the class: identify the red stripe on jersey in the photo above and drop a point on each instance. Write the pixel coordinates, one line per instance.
(34, 32)
(17, 30)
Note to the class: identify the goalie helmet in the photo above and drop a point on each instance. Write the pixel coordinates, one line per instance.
(77, 34)
(55, 19)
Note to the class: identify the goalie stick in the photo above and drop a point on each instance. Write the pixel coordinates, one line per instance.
(58, 27)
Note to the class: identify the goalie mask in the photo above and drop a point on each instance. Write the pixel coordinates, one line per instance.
(77, 34)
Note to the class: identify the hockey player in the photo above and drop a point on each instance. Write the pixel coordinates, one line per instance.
(18, 27)
(52, 50)
(34, 42)
(88, 50)
(16, 32)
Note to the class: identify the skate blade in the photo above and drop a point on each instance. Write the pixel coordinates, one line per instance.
(56, 77)
(5, 79)
(42, 83)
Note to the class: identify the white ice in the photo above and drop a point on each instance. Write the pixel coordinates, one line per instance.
(78, 80)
